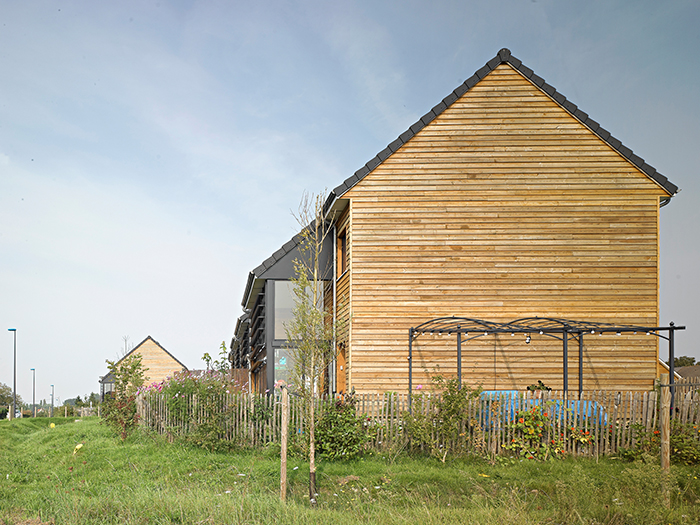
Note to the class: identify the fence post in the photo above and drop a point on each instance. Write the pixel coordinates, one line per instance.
(665, 423)
(283, 439)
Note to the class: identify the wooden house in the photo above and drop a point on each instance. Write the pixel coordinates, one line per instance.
(158, 363)
(504, 201)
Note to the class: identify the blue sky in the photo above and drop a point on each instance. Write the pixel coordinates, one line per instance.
(151, 152)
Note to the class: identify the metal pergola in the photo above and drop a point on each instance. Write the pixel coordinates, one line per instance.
(467, 329)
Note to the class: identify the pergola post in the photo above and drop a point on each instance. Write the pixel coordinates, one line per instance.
(671, 364)
(565, 368)
(580, 364)
(410, 366)
(459, 358)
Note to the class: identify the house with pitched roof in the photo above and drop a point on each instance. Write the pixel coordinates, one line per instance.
(157, 362)
(504, 201)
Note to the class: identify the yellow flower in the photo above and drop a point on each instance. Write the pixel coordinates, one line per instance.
(52, 425)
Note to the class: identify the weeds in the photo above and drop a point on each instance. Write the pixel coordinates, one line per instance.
(145, 479)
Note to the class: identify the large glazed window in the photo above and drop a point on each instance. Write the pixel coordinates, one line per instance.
(284, 304)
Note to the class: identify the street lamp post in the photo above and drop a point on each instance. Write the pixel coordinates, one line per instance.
(14, 380)
(51, 415)
(33, 391)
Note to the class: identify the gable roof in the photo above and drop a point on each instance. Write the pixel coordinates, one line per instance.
(503, 57)
(135, 349)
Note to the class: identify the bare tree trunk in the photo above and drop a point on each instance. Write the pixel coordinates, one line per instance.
(285, 433)
(312, 438)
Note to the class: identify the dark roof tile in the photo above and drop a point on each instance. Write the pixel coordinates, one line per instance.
(504, 54)
(558, 98)
(660, 177)
(548, 89)
(361, 172)
(592, 124)
(449, 99)
(406, 136)
(373, 163)
(417, 127)
(569, 106)
(603, 133)
(582, 116)
(460, 90)
(649, 170)
(394, 146)
(624, 150)
(537, 80)
(481, 73)
(439, 108)
(526, 71)
(471, 81)
(427, 118)
(340, 189)
(384, 154)
(494, 62)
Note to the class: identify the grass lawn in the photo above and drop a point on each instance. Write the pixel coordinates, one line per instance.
(149, 481)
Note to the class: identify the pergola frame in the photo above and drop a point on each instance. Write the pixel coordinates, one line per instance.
(467, 329)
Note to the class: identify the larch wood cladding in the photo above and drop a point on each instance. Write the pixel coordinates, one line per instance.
(505, 206)
(159, 364)
(343, 301)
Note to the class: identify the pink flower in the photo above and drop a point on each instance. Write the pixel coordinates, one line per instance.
(418, 387)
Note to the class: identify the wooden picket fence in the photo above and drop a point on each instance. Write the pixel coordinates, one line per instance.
(609, 420)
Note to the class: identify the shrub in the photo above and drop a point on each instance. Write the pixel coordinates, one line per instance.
(196, 403)
(120, 406)
(341, 433)
(684, 442)
(443, 428)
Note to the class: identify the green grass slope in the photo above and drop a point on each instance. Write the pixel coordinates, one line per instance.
(145, 480)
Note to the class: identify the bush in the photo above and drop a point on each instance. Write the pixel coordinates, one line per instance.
(341, 433)
(202, 393)
(120, 406)
(684, 441)
(448, 419)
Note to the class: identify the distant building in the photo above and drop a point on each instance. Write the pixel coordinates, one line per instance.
(156, 360)
(689, 371)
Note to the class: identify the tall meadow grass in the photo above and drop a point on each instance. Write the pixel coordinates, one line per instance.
(146, 480)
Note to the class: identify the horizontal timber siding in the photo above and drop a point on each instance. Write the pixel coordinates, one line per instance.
(503, 207)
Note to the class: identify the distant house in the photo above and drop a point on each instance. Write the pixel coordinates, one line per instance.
(688, 372)
(505, 201)
(156, 360)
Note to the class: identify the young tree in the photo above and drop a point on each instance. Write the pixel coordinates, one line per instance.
(310, 332)
(120, 405)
